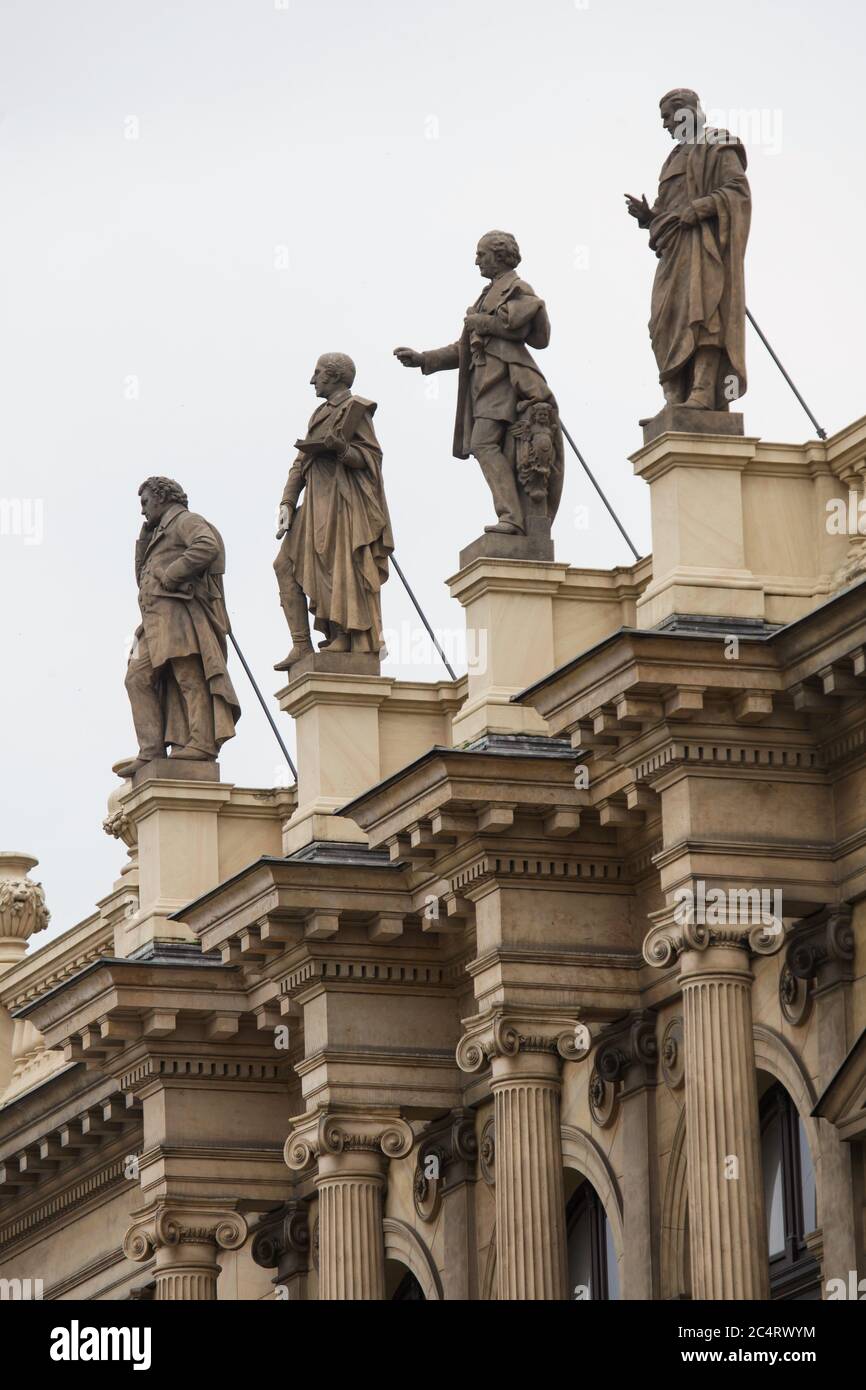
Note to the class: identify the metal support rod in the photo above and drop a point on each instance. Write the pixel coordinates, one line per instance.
(268, 716)
(420, 613)
(591, 477)
(822, 434)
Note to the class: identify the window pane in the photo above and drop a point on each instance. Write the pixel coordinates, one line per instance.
(810, 1197)
(771, 1159)
(580, 1257)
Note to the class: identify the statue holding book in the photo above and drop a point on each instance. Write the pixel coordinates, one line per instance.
(336, 543)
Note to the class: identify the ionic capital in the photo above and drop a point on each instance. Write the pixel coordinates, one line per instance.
(679, 929)
(166, 1225)
(500, 1034)
(324, 1133)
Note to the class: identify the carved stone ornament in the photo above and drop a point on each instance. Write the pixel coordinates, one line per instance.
(673, 1055)
(506, 1035)
(282, 1239)
(161, 1226)
(487, 1152)
(22, 902)
(446, 1155)
(822, 943)
(325, 1132)
(602, 1099)
(795, 997)
(625, 1045)
(676, 930)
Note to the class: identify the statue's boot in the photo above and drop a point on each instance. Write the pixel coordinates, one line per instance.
(294, 605)
(340, 643)
(705, 376)
(127, 767)
(505, 528)
(192, 755)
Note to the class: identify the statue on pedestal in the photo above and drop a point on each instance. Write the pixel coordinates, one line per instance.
(507, 416)
(698, 226)
(177, 678)
(335, 546)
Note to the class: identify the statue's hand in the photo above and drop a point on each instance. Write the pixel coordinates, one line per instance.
(638, 207)
(409, 357)
(481, 323)
(689, 218)
(335, 445)
(284, 520)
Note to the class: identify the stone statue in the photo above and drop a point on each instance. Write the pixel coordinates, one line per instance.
(507, 416)
(336, 545)
(698, 226)
(177, 679)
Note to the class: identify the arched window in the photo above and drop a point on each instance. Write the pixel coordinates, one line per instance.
(408, 1290)
(789, 1198)
(592, 1266)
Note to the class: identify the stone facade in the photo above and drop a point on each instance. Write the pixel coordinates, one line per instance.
(546, 983)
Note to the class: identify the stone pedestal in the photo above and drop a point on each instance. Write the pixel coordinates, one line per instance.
(352, 1151)
(493, 545)
(739, 527)
(509, 621)
(176, 828)
(352, 732)
(680, 420)
(184, 836)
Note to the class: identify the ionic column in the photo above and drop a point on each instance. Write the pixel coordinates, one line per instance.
(530, 1198)
(727, 1227)
(352, 1152)
(186, 1242)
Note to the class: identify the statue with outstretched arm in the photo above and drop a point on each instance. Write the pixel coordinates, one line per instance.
(507, 417)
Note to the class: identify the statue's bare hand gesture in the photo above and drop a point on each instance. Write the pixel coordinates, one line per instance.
(638, 208)
(285, 520)
(409, 357)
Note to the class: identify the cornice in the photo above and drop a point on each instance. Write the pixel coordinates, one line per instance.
(39, 1221)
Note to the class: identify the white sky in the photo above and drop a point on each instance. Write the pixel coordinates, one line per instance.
(302, 131)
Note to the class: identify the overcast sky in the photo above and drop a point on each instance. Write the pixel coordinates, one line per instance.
(201, 196)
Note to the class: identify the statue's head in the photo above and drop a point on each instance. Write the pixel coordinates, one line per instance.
(157, 495)
(332, 371)
(682, 115)
(497, 252)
